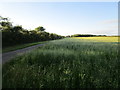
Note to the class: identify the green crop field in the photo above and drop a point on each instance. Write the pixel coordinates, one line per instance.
(87, 62)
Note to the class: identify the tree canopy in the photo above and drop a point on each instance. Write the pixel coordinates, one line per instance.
(40, 28)
(12, 35)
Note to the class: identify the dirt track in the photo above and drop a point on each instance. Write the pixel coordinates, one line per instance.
(9, 55)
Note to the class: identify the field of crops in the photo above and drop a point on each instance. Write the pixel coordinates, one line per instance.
(66, 63)
(100, 39)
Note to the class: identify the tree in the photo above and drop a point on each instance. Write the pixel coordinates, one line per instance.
(40, 28)
(5, 23)
(17, 29)
(13, 35)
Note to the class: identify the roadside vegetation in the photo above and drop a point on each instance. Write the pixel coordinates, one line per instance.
(20, 46)
(15, 35)
(66, 63)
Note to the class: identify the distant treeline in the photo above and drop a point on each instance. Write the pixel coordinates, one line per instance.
(12, 35)
(84, 35)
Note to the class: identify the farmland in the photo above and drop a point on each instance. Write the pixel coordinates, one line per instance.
(80, 62)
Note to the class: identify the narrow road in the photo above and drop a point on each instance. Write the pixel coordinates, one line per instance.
(9, 55)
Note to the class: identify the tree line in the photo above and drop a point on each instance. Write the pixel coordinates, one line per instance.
(13, 35)
(85, 35)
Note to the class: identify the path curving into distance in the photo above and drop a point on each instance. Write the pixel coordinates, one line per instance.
(9, 55)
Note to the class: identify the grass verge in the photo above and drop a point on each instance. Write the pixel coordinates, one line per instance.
(16, 47)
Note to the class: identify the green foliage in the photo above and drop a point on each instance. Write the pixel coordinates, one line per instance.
(65, 63)
(5, 23)
(13, 35)
(85, 35)
(17, 29)
(40, 28)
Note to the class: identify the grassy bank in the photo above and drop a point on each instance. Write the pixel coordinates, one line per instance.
(65, 63)
(16, 47)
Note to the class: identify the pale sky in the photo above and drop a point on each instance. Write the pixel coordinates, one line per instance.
(64, 18)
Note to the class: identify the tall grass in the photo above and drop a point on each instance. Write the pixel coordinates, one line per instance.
(65, 63)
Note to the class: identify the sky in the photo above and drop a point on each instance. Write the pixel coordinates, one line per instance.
(64, 18)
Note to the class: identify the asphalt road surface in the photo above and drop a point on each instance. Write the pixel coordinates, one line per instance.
(9, 55)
